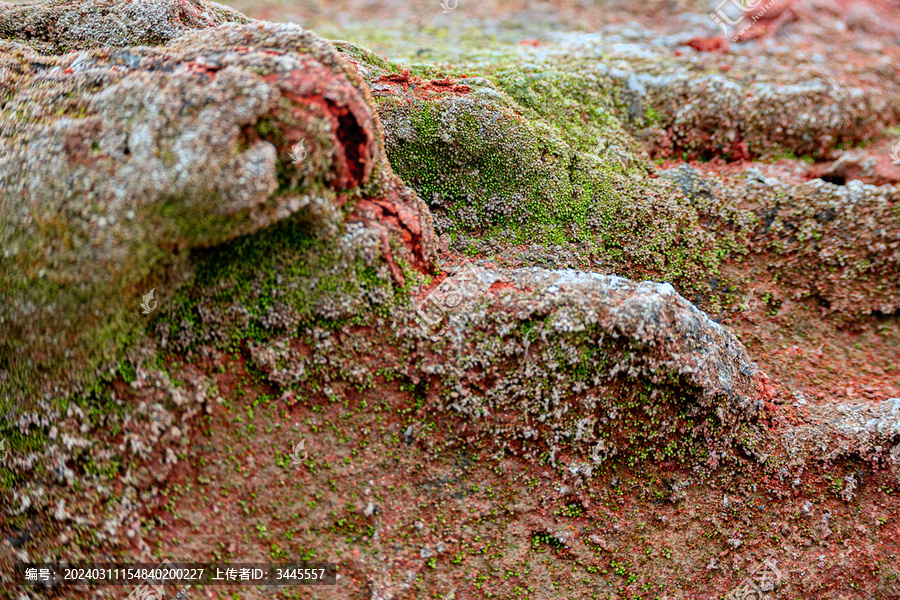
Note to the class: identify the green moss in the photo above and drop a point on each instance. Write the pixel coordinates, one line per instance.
(538, 155)
(361, 54)
(288, 269)
(653, 117)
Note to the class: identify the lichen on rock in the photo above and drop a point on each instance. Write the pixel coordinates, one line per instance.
(149, 152)
(537, 155)
(514, 427)
(59, 26)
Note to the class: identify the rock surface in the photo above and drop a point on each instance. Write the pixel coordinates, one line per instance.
(147, 153)
(512, 158)
(60, 26)
(511, 412)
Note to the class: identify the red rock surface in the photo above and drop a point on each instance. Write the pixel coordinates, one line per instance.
(715, 44)
(569, 434)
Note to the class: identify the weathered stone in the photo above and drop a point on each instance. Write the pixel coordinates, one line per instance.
(491, 420)
(59, 26)
(134, 156)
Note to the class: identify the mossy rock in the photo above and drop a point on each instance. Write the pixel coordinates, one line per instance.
(139, 156)
(523, 155)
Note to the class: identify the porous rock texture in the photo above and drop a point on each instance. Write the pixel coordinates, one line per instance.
(535, 152)
(59, 26)
(474, 430)
(148, 152)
